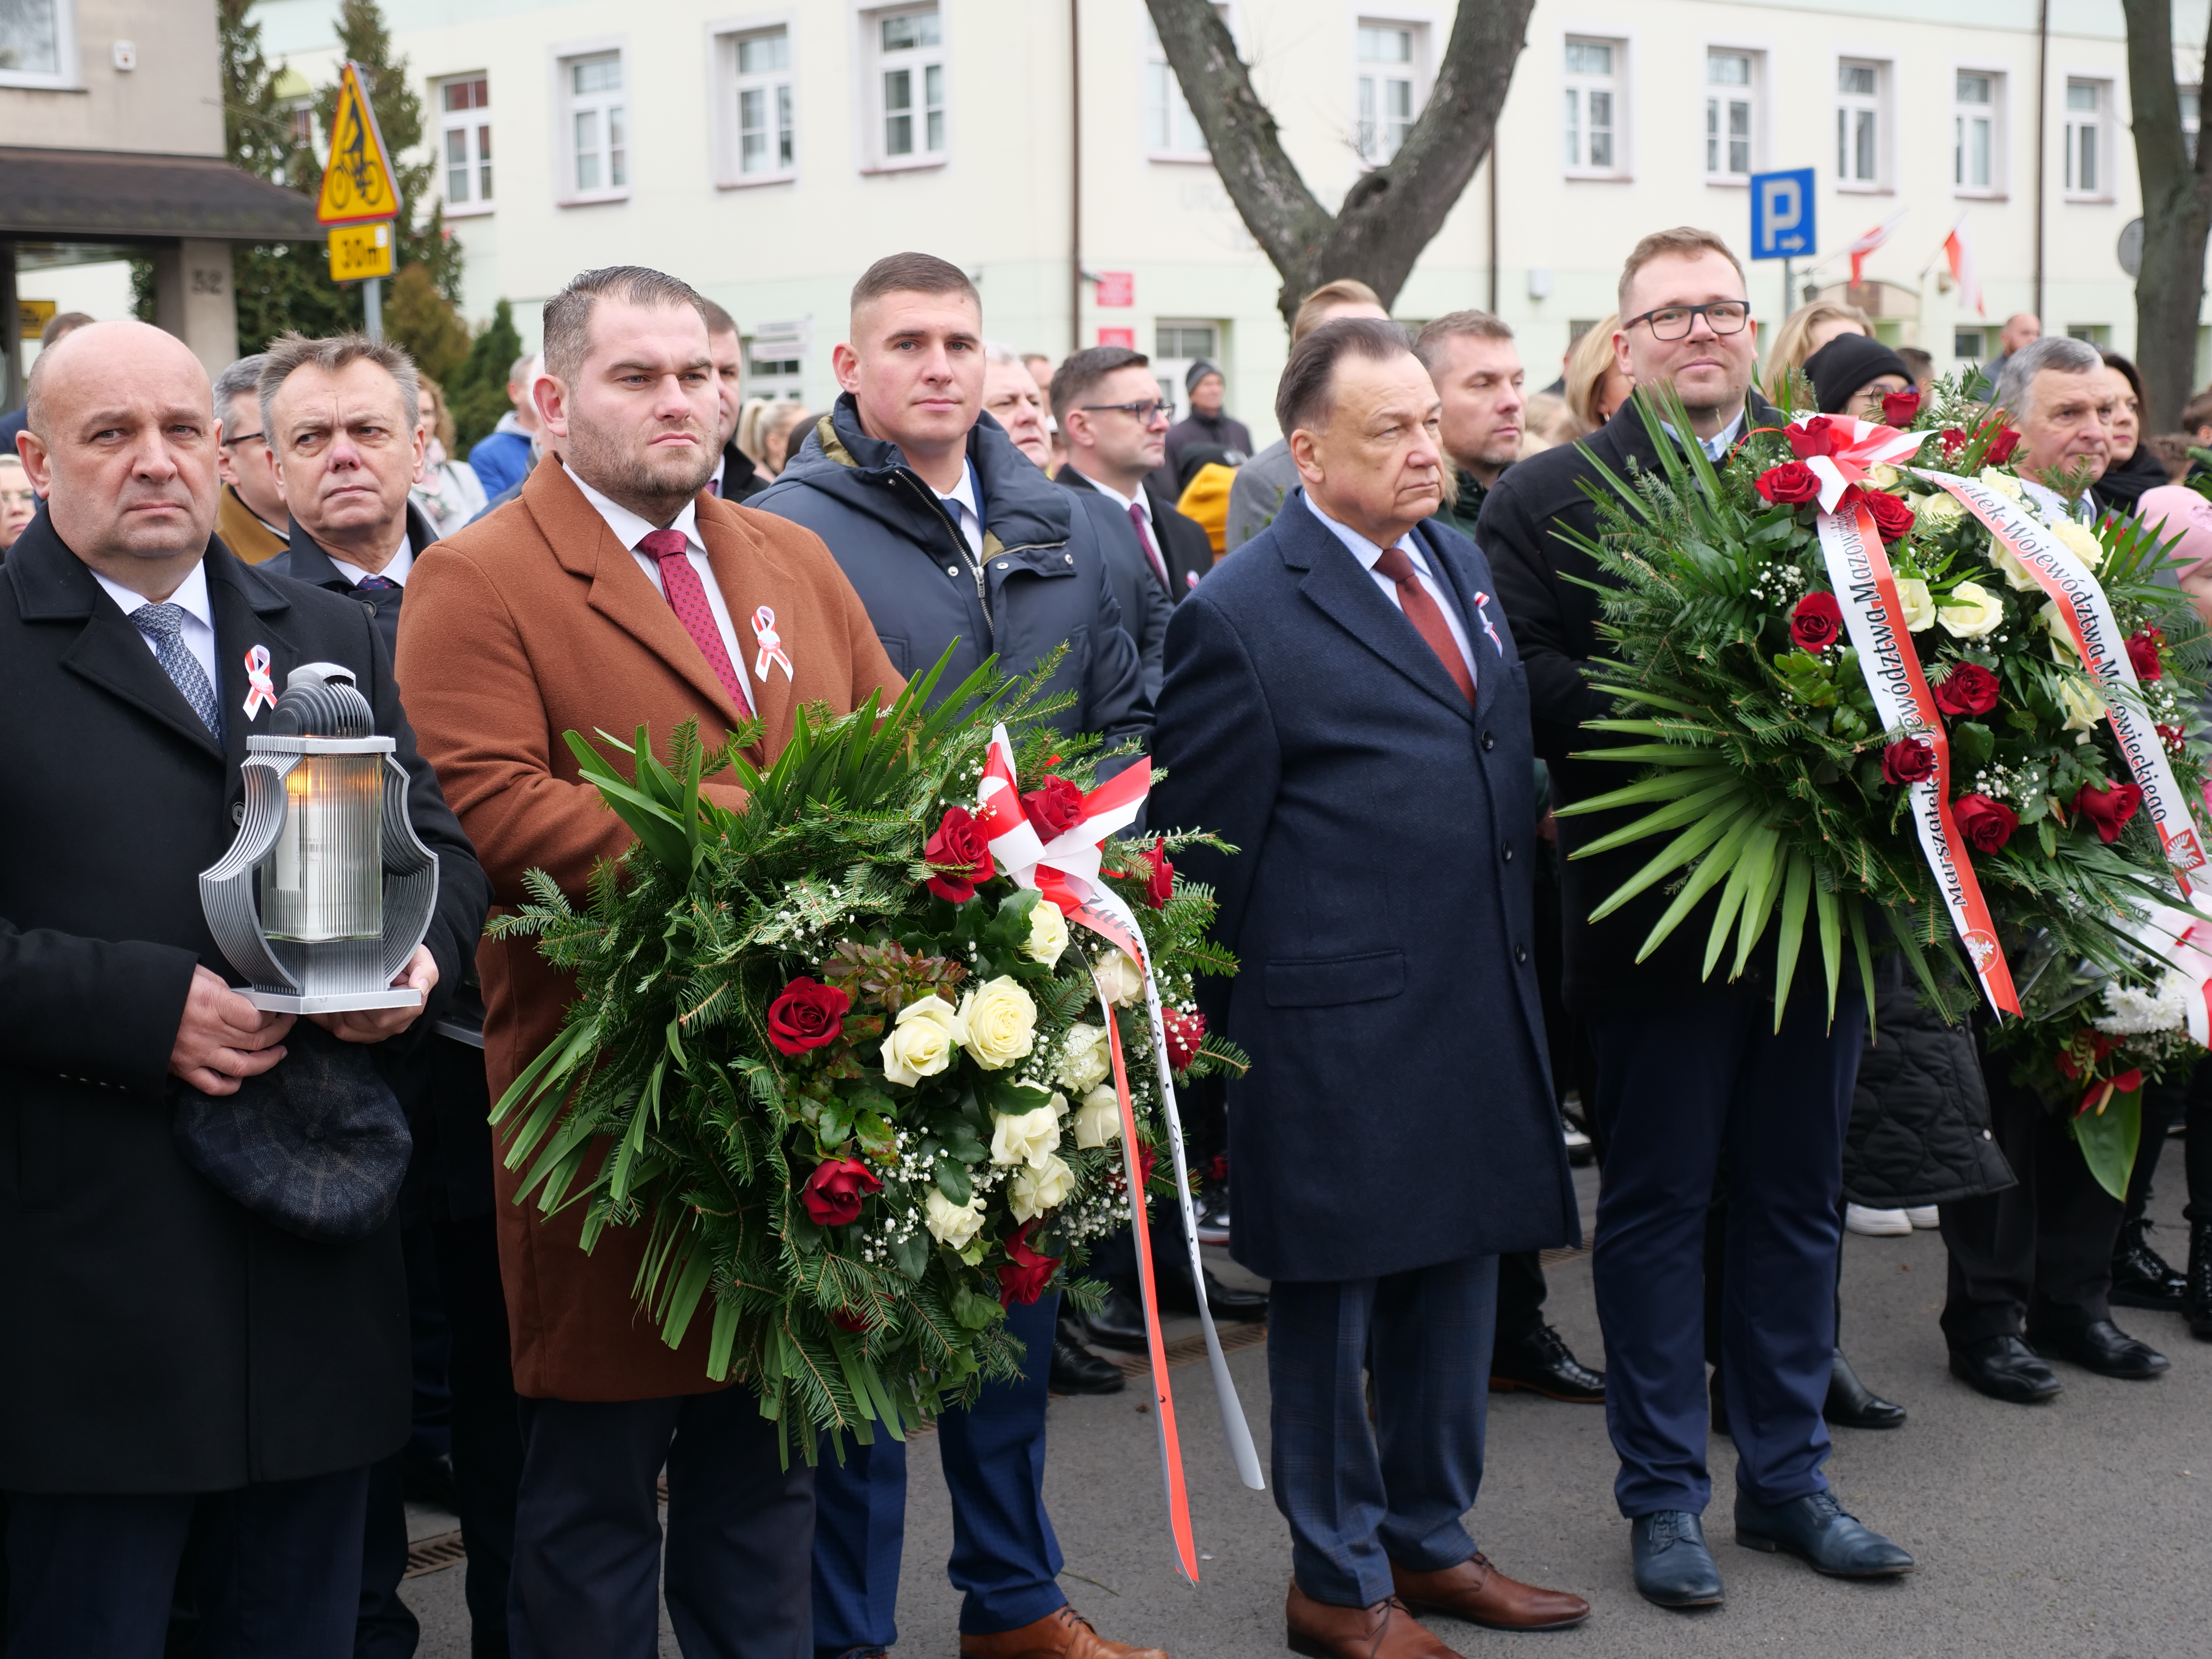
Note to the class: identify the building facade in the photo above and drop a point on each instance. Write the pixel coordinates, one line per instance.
(769, 152)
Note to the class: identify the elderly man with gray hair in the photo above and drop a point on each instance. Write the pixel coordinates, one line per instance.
(2057, 394)
(251, 519)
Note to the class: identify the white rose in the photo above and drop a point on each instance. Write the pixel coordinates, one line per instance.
(954, 1225)
(1035, 1189)
(2008, 563)
(922, 1040)
(2083, 708)
(1971, 611)
(1085, 1061)
(2004, 483)
(1048, 933)
(1881, 476)
(2063, 652)
(1918, 603)
(1121, 982)
(1939, 511)
(1023, 1137)
(999, 1024)
(1098, 1120)
(2080, 541)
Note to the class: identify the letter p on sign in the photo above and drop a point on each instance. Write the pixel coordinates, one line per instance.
(1782, 215)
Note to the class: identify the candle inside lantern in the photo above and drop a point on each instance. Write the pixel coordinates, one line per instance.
(324, 879)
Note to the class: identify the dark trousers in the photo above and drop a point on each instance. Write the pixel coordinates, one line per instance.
(2189, 1099)
(1520, 1293)
(1006, 1561)
(275, 1570)
(1357, 1499)
(385, 1627)
(1685, 1090)
(487, 1421)
(2040, 1251)
(588, 1554)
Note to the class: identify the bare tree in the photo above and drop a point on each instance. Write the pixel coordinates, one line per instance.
(2176, 208)
(1390, 214)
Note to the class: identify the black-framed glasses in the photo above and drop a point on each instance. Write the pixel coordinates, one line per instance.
(1145, 413)
(1675, 322)
(242, 438)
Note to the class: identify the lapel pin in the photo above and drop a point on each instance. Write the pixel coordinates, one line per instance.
(261, 691)
(1482, 610)
(771, 646)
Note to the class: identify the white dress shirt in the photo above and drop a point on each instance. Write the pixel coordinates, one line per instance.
(1718, 444)
(630, 530)
(395, 572)
(964, 501)
(199, 631)
(1367, 553)
(1143, 503)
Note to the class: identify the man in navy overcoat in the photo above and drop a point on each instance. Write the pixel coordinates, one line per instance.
(1344, 705)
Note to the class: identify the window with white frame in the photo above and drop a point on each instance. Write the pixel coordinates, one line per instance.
(598, 125)
(1862, 91)
(1175, 346)
(1731, 113)
(465, 141)
(1977, 107)
(37, 43)
(762, 91)
(2088, 166)
(2192, 105)
(1386, 87)
(908, 47)
(1171, 131)
(1592, 104)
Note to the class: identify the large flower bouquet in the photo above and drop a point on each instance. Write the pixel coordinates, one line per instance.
(856, 1080)
(1847, 637)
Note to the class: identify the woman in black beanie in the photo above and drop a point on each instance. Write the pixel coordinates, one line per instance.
(1851, 375)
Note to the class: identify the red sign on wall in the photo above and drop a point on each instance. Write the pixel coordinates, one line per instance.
(1117, 288)
(1118, 336)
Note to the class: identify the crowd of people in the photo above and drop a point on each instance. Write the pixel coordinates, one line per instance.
(1356, 652)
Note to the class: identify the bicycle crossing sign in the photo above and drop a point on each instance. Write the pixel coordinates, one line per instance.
(357, 185)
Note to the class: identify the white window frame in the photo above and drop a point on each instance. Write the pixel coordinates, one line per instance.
(1581, 85)
(68, 74)
(1999, 109)
(1156, 75)
(1416, 78)
(1880, 105)
(2190, 95)
(1754, 94)
(875, 147)
(565, 57)
(2098, 125)
(729, 84)
(466, 122)
(1168, 372)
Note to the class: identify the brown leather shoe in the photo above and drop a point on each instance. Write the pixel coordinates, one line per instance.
(1385, 1630)
(1063, 1633)
(1477, 1592)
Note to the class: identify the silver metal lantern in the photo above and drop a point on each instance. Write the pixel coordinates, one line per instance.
(345, 888)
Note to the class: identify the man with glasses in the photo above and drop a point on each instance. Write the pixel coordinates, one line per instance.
(1691, 1075)
(1115, 428)
(253, 520)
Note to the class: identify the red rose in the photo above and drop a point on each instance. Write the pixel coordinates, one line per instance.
(1816, 623)
(845, 1320)
(2000, 450)
(2108, 809)
(833, 1193)
(1791, 482)
(1909, 760)
(958, 842)
(2142, 651)
(1899, 407)
(1970, 688)
(806, 1016)
(1051, 807)
(1987, 825)
(1893, 516)
(1952, 439)
(1161, 887)
(1184, 1032)
(1025, 1276)
(1818, 436)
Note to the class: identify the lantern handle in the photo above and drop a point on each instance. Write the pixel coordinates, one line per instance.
(227, 885)
(411, 875)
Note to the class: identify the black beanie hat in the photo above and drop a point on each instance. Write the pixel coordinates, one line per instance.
(1846, 363)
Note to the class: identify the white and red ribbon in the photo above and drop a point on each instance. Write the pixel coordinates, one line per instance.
(771, 645)
(1866, 445)
(1866, 589)
(261, 691)
(2081, 603)
(1066, 870)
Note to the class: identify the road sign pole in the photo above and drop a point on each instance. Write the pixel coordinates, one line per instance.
(372, 307)
(1789, 288)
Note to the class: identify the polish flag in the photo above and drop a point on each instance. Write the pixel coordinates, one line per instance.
(1964, 272)
(1871, 241)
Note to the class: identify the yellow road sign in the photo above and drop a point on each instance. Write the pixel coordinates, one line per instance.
(37, 313)
(359, 252)
(357, 185)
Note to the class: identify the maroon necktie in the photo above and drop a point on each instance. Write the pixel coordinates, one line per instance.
(1145, 541)
(1423, 613)
(687, 597)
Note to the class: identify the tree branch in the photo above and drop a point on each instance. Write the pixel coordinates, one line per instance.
(2176, 208)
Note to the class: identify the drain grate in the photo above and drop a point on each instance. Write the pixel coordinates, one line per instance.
(435, 1555)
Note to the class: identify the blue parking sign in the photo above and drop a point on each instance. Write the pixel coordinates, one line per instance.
(1782, 215)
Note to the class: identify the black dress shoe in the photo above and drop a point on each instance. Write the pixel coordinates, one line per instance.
(2004, 1368)
(426, 1477)
(2197, 1306)
(1120, 1321)
(1075, 1369)
(1673, 1567)
(1815, 1529)
(2100, 1346)
(2141, 1278)
(1542, 1362)
(1177, 1297)
(1852, 1405)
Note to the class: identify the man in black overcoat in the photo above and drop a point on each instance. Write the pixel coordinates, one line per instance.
(1343, 704)
(177, 1365)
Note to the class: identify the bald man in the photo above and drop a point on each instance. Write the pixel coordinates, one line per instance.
(178, 1363)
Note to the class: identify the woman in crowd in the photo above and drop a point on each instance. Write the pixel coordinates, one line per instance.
(1595, 385)
(2133, 467)
(1852, 373)
(448, 491)
(1803, 333)
(765, 430)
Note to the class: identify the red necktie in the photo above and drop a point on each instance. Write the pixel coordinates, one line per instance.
(687, 597)
(1145, 541)
(1423, 613)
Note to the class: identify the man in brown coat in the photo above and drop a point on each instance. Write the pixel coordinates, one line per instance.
(611, 594)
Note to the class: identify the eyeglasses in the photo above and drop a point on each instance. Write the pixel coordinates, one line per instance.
(1145, 413)
(242, 438)
(1674, 322)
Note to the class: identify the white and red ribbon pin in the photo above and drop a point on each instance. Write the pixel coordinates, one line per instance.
(771, 645)
(261, 690)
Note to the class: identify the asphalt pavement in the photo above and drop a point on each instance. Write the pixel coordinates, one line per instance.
(2079, 1530)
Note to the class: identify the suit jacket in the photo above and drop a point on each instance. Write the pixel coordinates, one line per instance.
(1184, 546)
(529, 624)
(305, 561)
(741, 480)
(243, 532)
(160, 1337)
(1399, 1110)
(1144, 603)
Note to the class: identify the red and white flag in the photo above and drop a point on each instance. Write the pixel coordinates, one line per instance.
(1869, 241)
(1964, 272)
